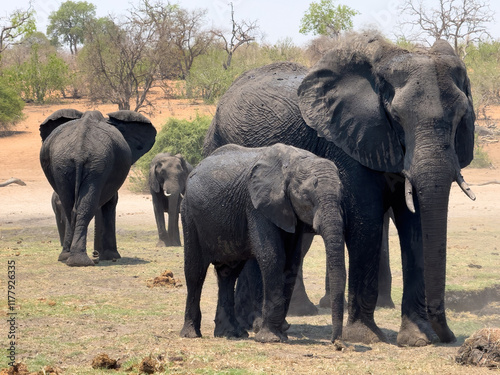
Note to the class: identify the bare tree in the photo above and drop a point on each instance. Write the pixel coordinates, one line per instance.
(120, 62)
(179, 33)
(242, 32)
(20, 23)
(460, 22)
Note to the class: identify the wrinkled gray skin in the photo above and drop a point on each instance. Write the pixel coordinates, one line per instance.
(167, 182)
(242, 204)
(86, 159)
(399, 125)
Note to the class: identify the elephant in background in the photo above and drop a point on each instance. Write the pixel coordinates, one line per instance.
(399, 126)
(245, 203)
(167, 183)
(86, 159)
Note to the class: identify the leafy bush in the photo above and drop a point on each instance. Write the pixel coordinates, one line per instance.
(176, 137)
(481, 158)
(38, 76)
(11, 107)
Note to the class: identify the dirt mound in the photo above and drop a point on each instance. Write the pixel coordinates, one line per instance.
(165, 279)
(102, 361)
(21, 369)
(150, 365)
(17, 369)
(481, 349)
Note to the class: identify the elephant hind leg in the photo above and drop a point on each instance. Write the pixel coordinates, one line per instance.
(83, 212)
(105, 232)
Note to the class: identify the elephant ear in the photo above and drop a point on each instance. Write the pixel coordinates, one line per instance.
(339, 98)
(267, 189)
(464, 137)
(137, 130)
(153, 181)
(57, 119)
(185, 165)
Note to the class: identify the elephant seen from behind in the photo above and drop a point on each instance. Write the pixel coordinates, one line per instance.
(257, 203)
(167, 183)
(399, 126)
(86, 158)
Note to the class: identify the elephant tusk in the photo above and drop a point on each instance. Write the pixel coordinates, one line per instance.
(182, 196)
(465, 187)
(409, 195)
(167, 194)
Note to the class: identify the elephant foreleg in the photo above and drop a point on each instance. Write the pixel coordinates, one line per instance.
(363, 279)
(300, 304)
(416, 329)
(195, 271)
(159, 211)
(226, 324)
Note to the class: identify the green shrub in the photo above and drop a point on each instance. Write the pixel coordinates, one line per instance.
(481, 158)
(176, 137)
(11, 107)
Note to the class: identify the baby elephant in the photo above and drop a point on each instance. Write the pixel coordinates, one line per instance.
(167, 182)
(243, 203)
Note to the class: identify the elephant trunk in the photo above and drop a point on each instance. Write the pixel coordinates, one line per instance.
(329, 223)
(172, 191)
(431, 177)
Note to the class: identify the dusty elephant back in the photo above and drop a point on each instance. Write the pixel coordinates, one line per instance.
(254, 91)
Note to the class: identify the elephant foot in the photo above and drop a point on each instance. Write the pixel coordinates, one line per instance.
(257, 325)
(302, 308)
(189, 331)
(63, 257)
(109, 255)
(267, 335)
(324, 302)
(416, 332)
(364, 332)
(229, 331)
(171, 243)
(385, 301)
(80, 259)
(442, 330)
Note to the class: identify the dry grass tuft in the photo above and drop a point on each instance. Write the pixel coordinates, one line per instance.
(481, 349)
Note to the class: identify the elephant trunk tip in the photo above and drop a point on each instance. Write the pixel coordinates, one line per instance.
(464, 186)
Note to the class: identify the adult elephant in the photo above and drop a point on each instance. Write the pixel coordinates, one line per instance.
(399, 125)
(256, 203)
(86, 159)
(167, 183)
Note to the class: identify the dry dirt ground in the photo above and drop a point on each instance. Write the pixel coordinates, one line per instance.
(28, 207)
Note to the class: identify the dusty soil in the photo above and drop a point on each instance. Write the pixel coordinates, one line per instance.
(28, 207)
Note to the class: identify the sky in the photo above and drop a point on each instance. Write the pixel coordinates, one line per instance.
(277, 20)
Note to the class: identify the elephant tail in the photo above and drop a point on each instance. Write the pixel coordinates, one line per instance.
(78, 184)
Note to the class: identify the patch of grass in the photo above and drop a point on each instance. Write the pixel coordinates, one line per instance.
(69, 315)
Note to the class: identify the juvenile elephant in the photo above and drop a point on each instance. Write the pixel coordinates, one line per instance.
(167, 183)
(399, 125)
(243, 203)
(86, 159)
